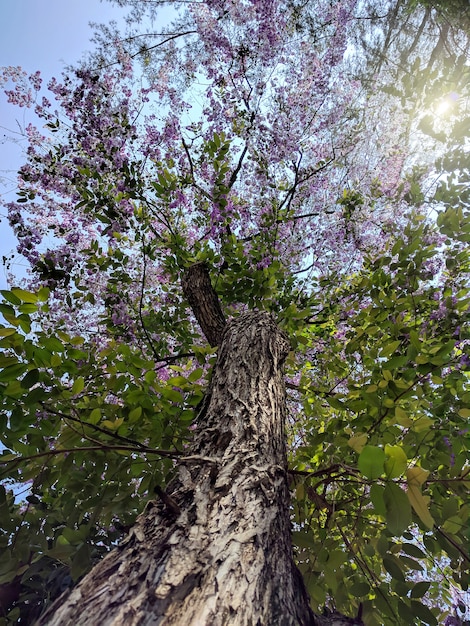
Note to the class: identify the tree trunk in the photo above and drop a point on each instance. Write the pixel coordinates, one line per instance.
(216, 548)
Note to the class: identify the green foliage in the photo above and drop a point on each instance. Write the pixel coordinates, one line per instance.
(383, 462)
(379, 394)
(378, 455)
(88, 434)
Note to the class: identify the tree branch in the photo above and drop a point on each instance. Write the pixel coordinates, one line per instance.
(102, 447)
(204, 302)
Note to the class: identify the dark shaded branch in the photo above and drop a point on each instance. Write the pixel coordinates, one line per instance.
(191, 169)
(203, 300)
(163, 42)
(336, 467)
(235, 172)
(453, 543)
(166, 360)
(99, 448)
(132, 442)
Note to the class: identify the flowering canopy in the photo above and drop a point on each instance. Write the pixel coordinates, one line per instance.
(239, 136)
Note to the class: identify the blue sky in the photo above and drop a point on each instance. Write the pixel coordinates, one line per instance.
(43, 35)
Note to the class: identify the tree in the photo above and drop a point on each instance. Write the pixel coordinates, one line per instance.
(275, 206)
(217, 550)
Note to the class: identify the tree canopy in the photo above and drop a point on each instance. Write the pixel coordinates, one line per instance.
(314, 157)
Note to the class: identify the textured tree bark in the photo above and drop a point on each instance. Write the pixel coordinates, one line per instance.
(200, 294)
(216, 548)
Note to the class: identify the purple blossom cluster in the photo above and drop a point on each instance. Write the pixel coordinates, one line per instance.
(127, 160)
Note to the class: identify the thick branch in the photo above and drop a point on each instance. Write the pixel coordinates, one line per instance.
(200, 293)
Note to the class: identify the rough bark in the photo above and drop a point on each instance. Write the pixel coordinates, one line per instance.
(215, 549)
(198, 290)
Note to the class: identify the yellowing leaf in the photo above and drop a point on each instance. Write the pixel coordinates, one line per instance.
(113, 425)
(422, 423)
(416, 476)
(402, 417)
(357, 442)
(300, 491)
(420, 504)
(464, 413)
(25, 296)
(6, 332)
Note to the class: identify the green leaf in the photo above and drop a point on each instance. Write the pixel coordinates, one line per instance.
(410, 563)
(10, 297)
(389, 348)
(404, 610)
(7, 310)
(8, 567)
(196, 375)
(113, 425)
(80, 561)
(25, 296)
(424, 613)
(36, 395)
(78, 386)
(7, 332)
(134, 414)
(28, 308)
(172, 395)
(420, 589)
(177, 381)
(53, 344)
(413, 550)
(398, 510)
(12, 372)
(4, 458)
(395, 362)
(30, 379)
(360, 589)
(371, 461)
(43, 294)
(14, 390)
(377, 499)
(396, 462)
(24, 323)
(304, 539)
(392, 566)
(5, 361)
(95, 416)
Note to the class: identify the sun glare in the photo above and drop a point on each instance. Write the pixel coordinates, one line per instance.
(446, 104)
